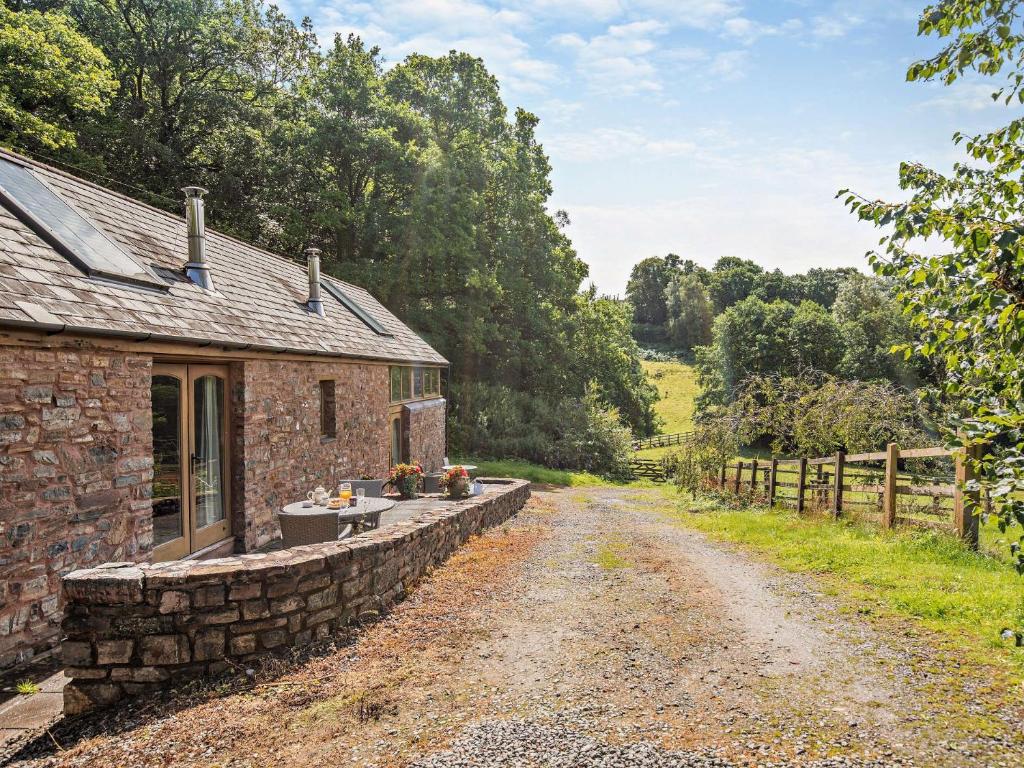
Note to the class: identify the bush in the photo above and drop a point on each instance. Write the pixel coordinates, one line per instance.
(656, 356)
(695, 466)
(496, 422)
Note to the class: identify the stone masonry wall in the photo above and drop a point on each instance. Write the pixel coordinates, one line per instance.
(427, 433)
(133, 629)
(75, 478)
(279, 454)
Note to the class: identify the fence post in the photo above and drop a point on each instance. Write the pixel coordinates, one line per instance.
(771, 482)
(721, 476)
(965, 503)
(753, 477)
(837, 488)
(892, 455)
(739, 476)
(801, 484)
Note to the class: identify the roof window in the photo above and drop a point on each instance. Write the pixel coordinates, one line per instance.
(347, 302)
(72, 235)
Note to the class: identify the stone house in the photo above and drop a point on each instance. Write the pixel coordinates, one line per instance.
(165, 389)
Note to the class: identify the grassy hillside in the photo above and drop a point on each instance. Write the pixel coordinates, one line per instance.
(677, 385)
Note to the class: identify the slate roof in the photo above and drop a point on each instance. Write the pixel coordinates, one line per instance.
(258, 301)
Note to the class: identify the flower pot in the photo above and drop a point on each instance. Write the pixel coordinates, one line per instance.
(432, 482)
(408, 487)
(459, 488)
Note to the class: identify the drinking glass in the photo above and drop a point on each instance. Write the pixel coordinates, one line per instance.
(360, 496)
(345, 492)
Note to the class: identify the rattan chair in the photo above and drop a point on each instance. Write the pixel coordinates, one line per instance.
(311, 528)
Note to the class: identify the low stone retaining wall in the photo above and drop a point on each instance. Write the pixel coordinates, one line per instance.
(132, 629)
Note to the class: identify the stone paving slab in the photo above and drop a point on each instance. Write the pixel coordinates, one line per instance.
(28, 713)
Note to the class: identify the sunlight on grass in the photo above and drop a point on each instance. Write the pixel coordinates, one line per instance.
(610, 555)
(535, 473)
(677, 385)
(928, 576)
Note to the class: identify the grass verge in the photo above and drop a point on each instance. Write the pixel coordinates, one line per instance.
(929, 577)
(535, 473)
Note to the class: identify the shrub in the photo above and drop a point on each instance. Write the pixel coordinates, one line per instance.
(499, 423)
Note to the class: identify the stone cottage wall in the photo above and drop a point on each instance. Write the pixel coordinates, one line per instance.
(75, 479)
(427, 433)
(133, 629)
(279, 454)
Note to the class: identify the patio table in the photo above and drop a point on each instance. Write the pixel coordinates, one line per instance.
(365, 515)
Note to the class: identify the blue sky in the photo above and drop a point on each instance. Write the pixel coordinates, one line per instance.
(702, 127)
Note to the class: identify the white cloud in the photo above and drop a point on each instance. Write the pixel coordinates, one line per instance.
(729, 65)
(434, 27)
(836, 25)
(700, 14)
(621, 59)
(964, 97)
(749, 32)
(587, 10)
(608, 143)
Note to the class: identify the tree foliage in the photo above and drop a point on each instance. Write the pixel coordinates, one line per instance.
(689, 312)
(966, 302)
(645, 290)
(416, 181)
(50, 75)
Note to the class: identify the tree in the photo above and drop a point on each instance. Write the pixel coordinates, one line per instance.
(605, 355)
(822, 285)
(199, 84)
(690, 313)
(732, 280)
(777, 285)
(871, 324)
(751, 337)
(967, 303)
(816, 340)
(50, 75)
(646, 288)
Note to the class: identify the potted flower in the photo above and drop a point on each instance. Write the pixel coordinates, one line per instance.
(405, 478)
(456, 482)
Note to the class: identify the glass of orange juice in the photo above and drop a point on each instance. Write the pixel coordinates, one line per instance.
(345, 492)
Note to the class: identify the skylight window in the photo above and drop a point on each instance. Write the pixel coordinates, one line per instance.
(344, 299)
(72, 235)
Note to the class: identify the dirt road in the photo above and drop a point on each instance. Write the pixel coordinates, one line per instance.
(591, 630)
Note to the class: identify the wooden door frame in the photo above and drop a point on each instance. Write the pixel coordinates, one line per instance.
(180, 547)
(193, 539)
(211, 534)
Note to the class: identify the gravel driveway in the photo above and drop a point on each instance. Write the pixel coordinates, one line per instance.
(590, 631)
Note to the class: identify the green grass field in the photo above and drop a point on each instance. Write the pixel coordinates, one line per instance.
(677, 385)
(535, 473)
(929, 577)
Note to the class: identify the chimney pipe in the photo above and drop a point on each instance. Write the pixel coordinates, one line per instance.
(315, 303)
(197, 269)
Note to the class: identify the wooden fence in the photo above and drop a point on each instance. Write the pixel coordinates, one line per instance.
(847, 483)
(661, 441)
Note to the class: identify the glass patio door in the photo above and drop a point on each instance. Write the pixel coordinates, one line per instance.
(190, 486)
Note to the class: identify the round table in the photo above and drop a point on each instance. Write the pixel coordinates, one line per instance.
(468, 467)
(367, 514)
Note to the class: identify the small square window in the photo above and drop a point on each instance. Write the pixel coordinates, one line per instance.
(328, 412)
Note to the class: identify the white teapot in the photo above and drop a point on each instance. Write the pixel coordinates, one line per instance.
(318, 495)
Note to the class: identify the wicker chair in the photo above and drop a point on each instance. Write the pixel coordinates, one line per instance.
(311, 528)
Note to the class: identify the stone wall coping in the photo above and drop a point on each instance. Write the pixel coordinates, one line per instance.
(127, 583)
